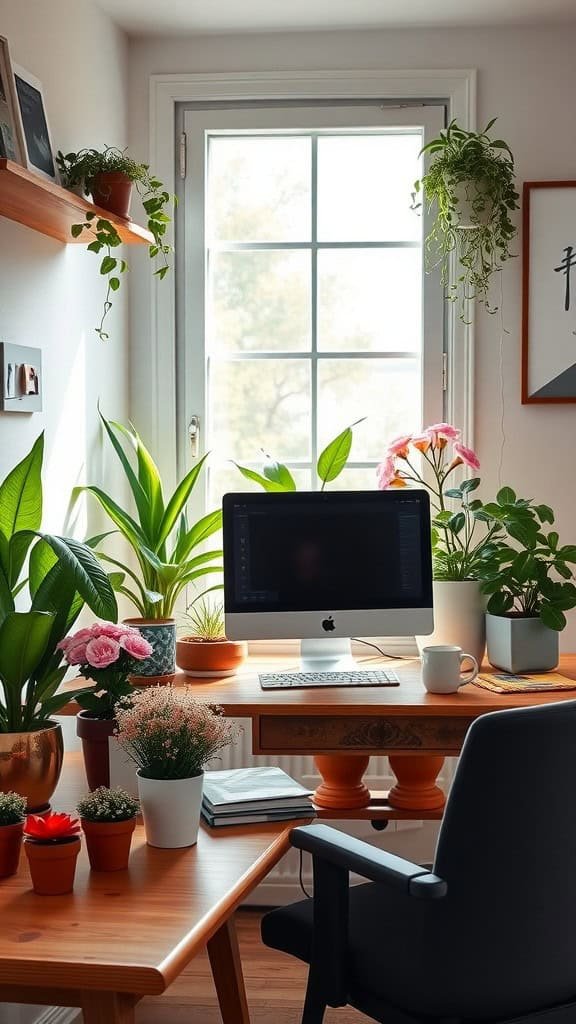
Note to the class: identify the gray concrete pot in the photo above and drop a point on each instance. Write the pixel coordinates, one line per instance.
(521, 645)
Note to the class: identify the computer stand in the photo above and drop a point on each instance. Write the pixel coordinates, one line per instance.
(326, 654)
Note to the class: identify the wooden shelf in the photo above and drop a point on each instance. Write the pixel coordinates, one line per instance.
(43, 206)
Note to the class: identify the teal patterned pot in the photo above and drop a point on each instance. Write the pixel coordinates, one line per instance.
(160, 667)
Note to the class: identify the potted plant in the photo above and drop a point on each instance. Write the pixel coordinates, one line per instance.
(165, 547)
(52, 845)
(171, 737)
(108, 819)
(12, 815)
(460, 536)
(107, 654)
(203, 651)
(529, 586)
(470, 184)
(60, 574)
(110, 177)
(275, 476)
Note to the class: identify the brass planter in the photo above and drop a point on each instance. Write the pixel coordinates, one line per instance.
(30, 764)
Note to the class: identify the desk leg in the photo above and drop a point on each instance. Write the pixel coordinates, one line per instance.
(226, 967)
(416, 787)
(342, 785)
(108, 1008)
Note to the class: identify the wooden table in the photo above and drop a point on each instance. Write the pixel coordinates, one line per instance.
(342, 727)
(122, 935)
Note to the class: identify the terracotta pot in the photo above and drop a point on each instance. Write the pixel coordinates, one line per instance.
(108, 843)
(52, 865)
(112, 190)
(94, 733)
(210, 658)
(160, 667)
(10, 844)
(30, 764)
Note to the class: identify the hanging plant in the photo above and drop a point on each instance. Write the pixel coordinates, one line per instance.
(470, 185)
(108, 177)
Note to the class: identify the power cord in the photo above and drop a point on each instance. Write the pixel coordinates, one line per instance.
(385, 654)
(301, 877)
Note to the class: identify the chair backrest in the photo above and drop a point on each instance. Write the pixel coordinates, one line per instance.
(507, 849)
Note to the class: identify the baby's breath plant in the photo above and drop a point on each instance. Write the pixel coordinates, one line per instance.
(12, 808)
(105, 804)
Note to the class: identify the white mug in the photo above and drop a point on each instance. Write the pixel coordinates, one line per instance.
(441, 668)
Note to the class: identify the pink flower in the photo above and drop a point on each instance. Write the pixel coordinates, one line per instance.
(422, 442)
(399, 446)
(76, 654)
(467, 456)
(445, 430)
(102, 651)
(135, 645)
(385, 472)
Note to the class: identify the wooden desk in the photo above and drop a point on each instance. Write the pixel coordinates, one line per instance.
(342, 727)
(125, 934)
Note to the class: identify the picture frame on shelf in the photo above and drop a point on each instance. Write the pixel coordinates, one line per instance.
(549, 292)
(11, 140)
(38, 149)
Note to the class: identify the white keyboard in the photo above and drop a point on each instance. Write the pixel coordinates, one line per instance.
(305, 680)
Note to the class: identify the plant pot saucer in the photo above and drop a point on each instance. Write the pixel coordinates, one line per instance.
(221, 674)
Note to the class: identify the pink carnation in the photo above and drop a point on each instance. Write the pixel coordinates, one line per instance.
(102, 651)
(467, 456)
(386, 472)
(399, 446)
(445, 430)
(135, 645)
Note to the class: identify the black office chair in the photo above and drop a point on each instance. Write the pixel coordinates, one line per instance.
(490, 933)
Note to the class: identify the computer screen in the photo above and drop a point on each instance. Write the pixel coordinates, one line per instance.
(303, 564)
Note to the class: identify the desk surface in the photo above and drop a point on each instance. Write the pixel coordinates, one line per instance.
(242, 694)
(134, 930)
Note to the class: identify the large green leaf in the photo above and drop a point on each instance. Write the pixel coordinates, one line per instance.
(6, 597)
(177, 502)
(552, 617)
(204, 528)
(42, 559)
(257, 478)
(138, 492)
(149, 477)
(23, 640)
(21, 494)
(127, 526)
(17, 550)
(90, 579)
(332, 460)
(278, 473)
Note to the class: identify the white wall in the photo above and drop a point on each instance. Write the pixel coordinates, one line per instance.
(51, 294)
(526, 78)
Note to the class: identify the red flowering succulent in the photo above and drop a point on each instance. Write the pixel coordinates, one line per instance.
(52, 828)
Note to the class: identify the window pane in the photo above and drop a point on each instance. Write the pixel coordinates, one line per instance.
(259, 301)
(258, 405)
(370, 300)
(354, 480)
(386, 391)
(259, 189)
(364, 188)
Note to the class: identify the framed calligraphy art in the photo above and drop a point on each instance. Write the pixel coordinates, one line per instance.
(549, 292)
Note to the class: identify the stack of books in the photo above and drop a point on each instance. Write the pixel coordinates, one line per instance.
(243, 796)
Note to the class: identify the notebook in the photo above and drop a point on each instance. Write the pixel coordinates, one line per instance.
(252, 789)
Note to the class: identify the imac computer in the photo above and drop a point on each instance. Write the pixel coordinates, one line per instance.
(322, 567)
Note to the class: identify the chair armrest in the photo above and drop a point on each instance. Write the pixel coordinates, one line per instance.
(377, 865)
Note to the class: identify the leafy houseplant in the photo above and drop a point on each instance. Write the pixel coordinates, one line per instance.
(52, 845)
(61, 574)
(275, 476)
(107, 654)
(528, 580)
(12, 815)
(460, 537)
(109, 176)
(165, 545)
(203, 650)
(171, 737)
(108, 818)
(470, 185)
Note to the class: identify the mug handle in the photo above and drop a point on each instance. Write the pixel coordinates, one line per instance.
(470, 675)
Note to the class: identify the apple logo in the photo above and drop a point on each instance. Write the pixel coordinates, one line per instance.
(328, 625)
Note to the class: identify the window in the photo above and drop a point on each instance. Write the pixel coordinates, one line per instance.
(305, 303)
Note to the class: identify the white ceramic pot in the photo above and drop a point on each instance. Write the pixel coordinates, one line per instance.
(171, 810)
(470, 198)
(459, 617)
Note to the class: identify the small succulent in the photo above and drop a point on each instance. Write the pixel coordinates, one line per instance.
(107, 805)
(12, 808)
(52, 828)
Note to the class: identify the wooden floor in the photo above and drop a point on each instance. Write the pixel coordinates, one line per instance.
(275, 984)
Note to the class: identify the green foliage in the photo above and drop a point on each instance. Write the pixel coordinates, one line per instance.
(528, 572)
(331, 461)
(104, 804)
(462, 539)
(205, 622)
(164, 543)
(486, 167)
(12, 808)
(79, 170)
(62, 574)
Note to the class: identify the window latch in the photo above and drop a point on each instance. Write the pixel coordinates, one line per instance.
(194, 435)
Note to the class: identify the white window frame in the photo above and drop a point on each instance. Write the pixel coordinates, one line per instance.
(154, 324)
